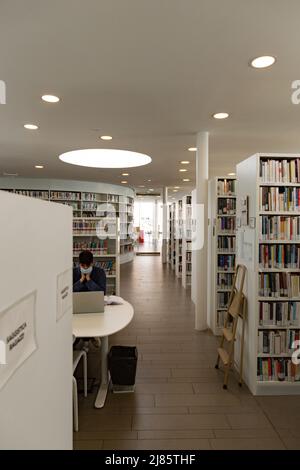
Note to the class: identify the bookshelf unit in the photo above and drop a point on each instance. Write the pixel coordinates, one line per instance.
(102, 220)
(221, 248)
(187, 242)
(172, 235)
(268, 243)
(178, 237)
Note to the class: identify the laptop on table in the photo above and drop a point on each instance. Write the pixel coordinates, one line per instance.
(88, 302)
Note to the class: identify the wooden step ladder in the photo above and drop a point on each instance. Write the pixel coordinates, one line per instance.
(236, 310)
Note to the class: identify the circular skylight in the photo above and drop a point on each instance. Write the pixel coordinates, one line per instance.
(105, 158)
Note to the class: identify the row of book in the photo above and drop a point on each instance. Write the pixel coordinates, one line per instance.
(226, 243)
(223, 299)
(279, 228)
(226, 262)
(280, 171)
(100, 247)
(112, 198)
(279, 314)
(279, 256)
(221, 315)
(65, 195)
(277, 341)
(279, 285)
(189, 200)
(277, 369)
(226, 206)
(224, 280)
(93, 197)
(279, 199)
(226, 224)
(188, 256)
(189, 245)
(83, 225)
(226, 187)
(37, 194)
(75, 205)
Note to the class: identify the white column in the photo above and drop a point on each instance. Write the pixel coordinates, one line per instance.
(201, 253)
(165, 226)
(155, 236)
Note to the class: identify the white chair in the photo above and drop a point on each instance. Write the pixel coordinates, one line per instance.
(77, 355)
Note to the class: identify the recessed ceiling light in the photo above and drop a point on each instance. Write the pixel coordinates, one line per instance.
(221, 115)
(184, 162)
(125, 174)
(231, 174)
(176, 187)
(192, 149)
(50, 98)
(175, 190)
(106, 137)
(151, 189)
(105, 158)
(124, 182)
(141, 186)
(183, 169)
(39, 166)
(31, 127)
(263, 62)
(186, 179)
(149, 180)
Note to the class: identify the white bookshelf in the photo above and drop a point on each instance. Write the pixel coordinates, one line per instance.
(95, 207)
(187, 241)
(221, 248)
(171, 236)
(273, 318)
(178, 237)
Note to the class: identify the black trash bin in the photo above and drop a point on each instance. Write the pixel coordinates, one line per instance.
(122, 362)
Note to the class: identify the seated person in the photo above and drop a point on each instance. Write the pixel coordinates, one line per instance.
(87, 277)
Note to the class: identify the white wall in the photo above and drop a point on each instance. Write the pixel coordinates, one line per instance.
(36, 245)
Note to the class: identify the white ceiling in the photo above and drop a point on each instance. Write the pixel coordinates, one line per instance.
(150, 73)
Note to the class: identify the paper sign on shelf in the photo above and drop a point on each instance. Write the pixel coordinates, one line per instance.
(17, 335)
(64, 294)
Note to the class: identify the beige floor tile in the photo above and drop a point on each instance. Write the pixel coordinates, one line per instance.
(245, 433)
(105, 422)
(292, 443)
(88, 445)
(167, 422)
(196, 400)
(100, 435)
(158, 444)
(177, 434)
(247, 444)
(248, 421)
(161, 388)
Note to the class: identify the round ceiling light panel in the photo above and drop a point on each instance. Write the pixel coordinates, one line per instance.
(105, 158)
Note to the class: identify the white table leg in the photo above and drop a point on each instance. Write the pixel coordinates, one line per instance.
(102, 392)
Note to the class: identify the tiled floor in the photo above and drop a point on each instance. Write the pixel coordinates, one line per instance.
(179, 402)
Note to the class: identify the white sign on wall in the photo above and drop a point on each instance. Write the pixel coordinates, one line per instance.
(18, 334)
(64, 293)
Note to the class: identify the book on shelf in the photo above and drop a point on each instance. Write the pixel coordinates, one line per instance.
(274, 170)
(32, 193)
(226, 224)
(226, 243)
(226, 206)
(279, 228)
(226, 187)
(277, 342)
(279, 284)
(277, 369)
(279, 314)
(224, 280)
(65, 195)
(226, 262)
(279, 256)
(279, 199)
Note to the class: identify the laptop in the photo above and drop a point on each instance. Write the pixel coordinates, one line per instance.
(88, 302)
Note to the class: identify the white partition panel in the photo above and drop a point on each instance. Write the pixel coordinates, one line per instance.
(36, 246)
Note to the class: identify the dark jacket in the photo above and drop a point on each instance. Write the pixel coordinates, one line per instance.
(97, 282)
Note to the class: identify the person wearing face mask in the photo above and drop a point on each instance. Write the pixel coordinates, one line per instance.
(87, 277)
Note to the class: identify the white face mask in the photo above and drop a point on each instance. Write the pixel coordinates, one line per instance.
(86, 270)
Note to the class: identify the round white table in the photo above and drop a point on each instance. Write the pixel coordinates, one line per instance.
(102, 325)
